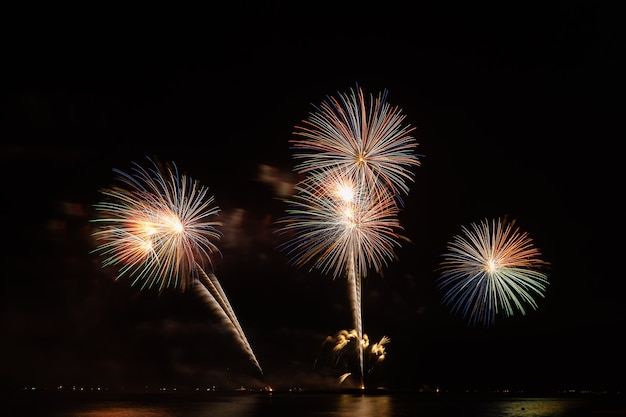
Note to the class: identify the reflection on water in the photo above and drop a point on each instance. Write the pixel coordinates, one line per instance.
(324, 405)
(364, 406)
(240, 406)
(123, 409)
(537, 407)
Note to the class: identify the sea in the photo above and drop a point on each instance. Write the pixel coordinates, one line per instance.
(315, 404)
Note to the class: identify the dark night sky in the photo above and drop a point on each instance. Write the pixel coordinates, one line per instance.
(514, 112)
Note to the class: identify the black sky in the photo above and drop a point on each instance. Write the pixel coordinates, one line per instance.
(514, 112)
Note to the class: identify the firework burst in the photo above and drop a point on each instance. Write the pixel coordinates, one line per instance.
(157, 228)
(365, 138)
(360, 145)
(491, 268)
(338, 226)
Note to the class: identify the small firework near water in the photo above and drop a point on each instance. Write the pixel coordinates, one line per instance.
(491, 269)
(157, 227)
(335, 353)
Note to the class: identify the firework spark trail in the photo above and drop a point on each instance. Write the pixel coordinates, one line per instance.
(489, 269)
(221, 306)
(212, 285)
(357, 308)
(156, 229)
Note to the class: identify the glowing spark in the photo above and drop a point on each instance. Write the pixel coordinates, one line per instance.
(489, 269)
(345, 192)
(343, 377)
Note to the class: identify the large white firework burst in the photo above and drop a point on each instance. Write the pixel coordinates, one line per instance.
(364, 137)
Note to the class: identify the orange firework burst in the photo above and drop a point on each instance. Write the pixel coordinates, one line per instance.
(157, 227)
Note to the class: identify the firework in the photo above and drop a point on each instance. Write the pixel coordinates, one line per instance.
(490, 269)
(366, 139)
(338, 225)
(363, 145)
(157, 227)
(342, 227)
(336, 351)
